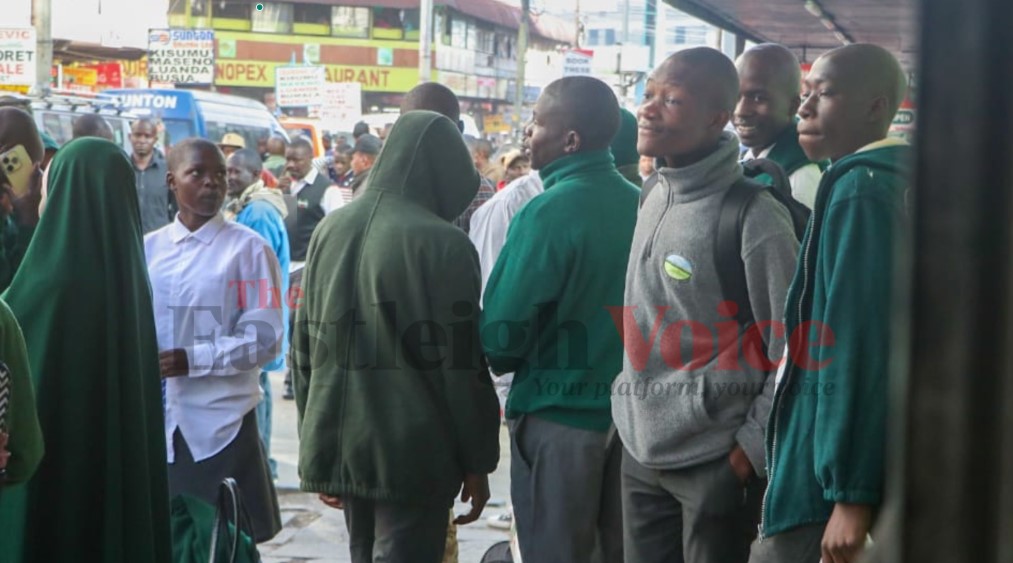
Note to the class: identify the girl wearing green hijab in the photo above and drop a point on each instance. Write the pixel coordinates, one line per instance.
(84, 303)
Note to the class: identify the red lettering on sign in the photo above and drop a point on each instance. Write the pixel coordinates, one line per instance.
(12, 68)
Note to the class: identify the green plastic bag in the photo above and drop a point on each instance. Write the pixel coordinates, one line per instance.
(193, 525)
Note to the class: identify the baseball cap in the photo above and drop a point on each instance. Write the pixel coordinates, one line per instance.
(233, 140)
(368, 144)
(509, 157)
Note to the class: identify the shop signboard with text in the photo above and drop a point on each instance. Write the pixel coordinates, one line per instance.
(17, 58)
(181, 56)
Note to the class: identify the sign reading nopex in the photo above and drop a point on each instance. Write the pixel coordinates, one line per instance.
(299, 86)
(17, 56)
(181, 56)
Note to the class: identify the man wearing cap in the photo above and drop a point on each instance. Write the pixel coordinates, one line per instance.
(363, 157)
(361, 128)
(515, 164)
(231, 142)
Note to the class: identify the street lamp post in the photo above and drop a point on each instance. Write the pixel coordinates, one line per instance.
(425, 40)
(522, 50)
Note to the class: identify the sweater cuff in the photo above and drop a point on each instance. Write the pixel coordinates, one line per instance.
(853, 497)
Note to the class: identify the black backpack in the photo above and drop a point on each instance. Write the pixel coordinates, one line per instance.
(728, 246)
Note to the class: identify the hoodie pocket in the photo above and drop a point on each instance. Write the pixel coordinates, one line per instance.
(728, 395)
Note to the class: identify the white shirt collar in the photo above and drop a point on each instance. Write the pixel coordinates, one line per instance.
(205, 234)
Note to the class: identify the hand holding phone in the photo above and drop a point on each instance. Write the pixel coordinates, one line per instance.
(18, 167)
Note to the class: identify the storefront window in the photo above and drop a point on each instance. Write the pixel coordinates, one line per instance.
(199, 8)
(177, 7)
(350, 22)
(274, 18)
(459, 32)
(486, 40)
(232, 9)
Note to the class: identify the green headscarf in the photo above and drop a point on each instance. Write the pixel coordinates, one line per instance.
(84, 303)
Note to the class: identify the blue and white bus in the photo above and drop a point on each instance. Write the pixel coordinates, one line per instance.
(195, 113)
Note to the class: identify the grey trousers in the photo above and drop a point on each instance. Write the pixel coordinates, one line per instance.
(700, 514)
(801, 545)
(564, 485)
(387, 532)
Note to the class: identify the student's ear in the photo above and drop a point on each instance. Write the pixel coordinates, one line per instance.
(170, 180)
(879, 110)
(721, 120)
(573, 143)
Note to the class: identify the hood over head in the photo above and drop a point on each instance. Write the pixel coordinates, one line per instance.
(425, 160)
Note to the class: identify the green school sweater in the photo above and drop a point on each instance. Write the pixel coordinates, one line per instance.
(547, 315)
(826, 436)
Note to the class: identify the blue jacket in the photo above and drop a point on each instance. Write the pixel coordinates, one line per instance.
(265, 219)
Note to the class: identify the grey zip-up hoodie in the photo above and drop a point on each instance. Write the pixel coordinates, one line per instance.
(687, 394)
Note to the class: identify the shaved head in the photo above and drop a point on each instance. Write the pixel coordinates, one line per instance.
(870, 70)
(585, 105)
(852, 95)
(18, 128)
(688, 101)
(92, 125)
(705, 72)
(770, 81)
(184, 150)
(776, 62)
(433, 96)
(248, 159)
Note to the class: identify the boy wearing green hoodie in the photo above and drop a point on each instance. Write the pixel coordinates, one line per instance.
(825, 440)
(546, 318)
(397, 413)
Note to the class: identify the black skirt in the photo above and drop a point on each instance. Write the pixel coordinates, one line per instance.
(244, 461)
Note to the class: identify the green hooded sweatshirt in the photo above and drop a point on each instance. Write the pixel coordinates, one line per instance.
(547, 304)
(624, 148)
(826, 435)
(395, 401)
(83, 300)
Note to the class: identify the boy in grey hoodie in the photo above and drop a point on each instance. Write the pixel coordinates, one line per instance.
(692, 401)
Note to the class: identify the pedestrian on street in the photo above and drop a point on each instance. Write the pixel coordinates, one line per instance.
(562, 267)
(85, 307)
(827, 435)
(262, 209)
(214, 285)
(693, 465)
(157, 204)
(392, 429)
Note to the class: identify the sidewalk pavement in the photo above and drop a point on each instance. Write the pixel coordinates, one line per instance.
(315, 533)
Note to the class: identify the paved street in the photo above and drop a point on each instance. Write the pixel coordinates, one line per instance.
(315, 533)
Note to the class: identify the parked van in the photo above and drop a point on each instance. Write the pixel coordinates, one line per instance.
(195, 113)
(55, 114)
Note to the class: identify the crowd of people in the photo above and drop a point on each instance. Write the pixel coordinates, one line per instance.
(659, 407)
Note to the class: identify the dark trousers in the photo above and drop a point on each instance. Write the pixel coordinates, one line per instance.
(701, 514)
(564, 484)
(395, 533)
(801, 545)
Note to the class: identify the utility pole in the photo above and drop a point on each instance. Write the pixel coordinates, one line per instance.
(42, 21)
(576, 17)
(522, 51)
(426, 40)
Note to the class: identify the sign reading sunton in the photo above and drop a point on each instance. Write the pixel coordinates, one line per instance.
(181, 56)
(299, 86)
(17, 56)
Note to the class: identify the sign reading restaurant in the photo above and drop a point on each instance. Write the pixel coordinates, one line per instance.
(181, 56)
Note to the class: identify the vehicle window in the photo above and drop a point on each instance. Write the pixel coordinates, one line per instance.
(176, 130)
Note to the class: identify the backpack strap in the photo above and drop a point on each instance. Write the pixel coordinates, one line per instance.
(765, 166)
(728, 246)
(649, 184)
